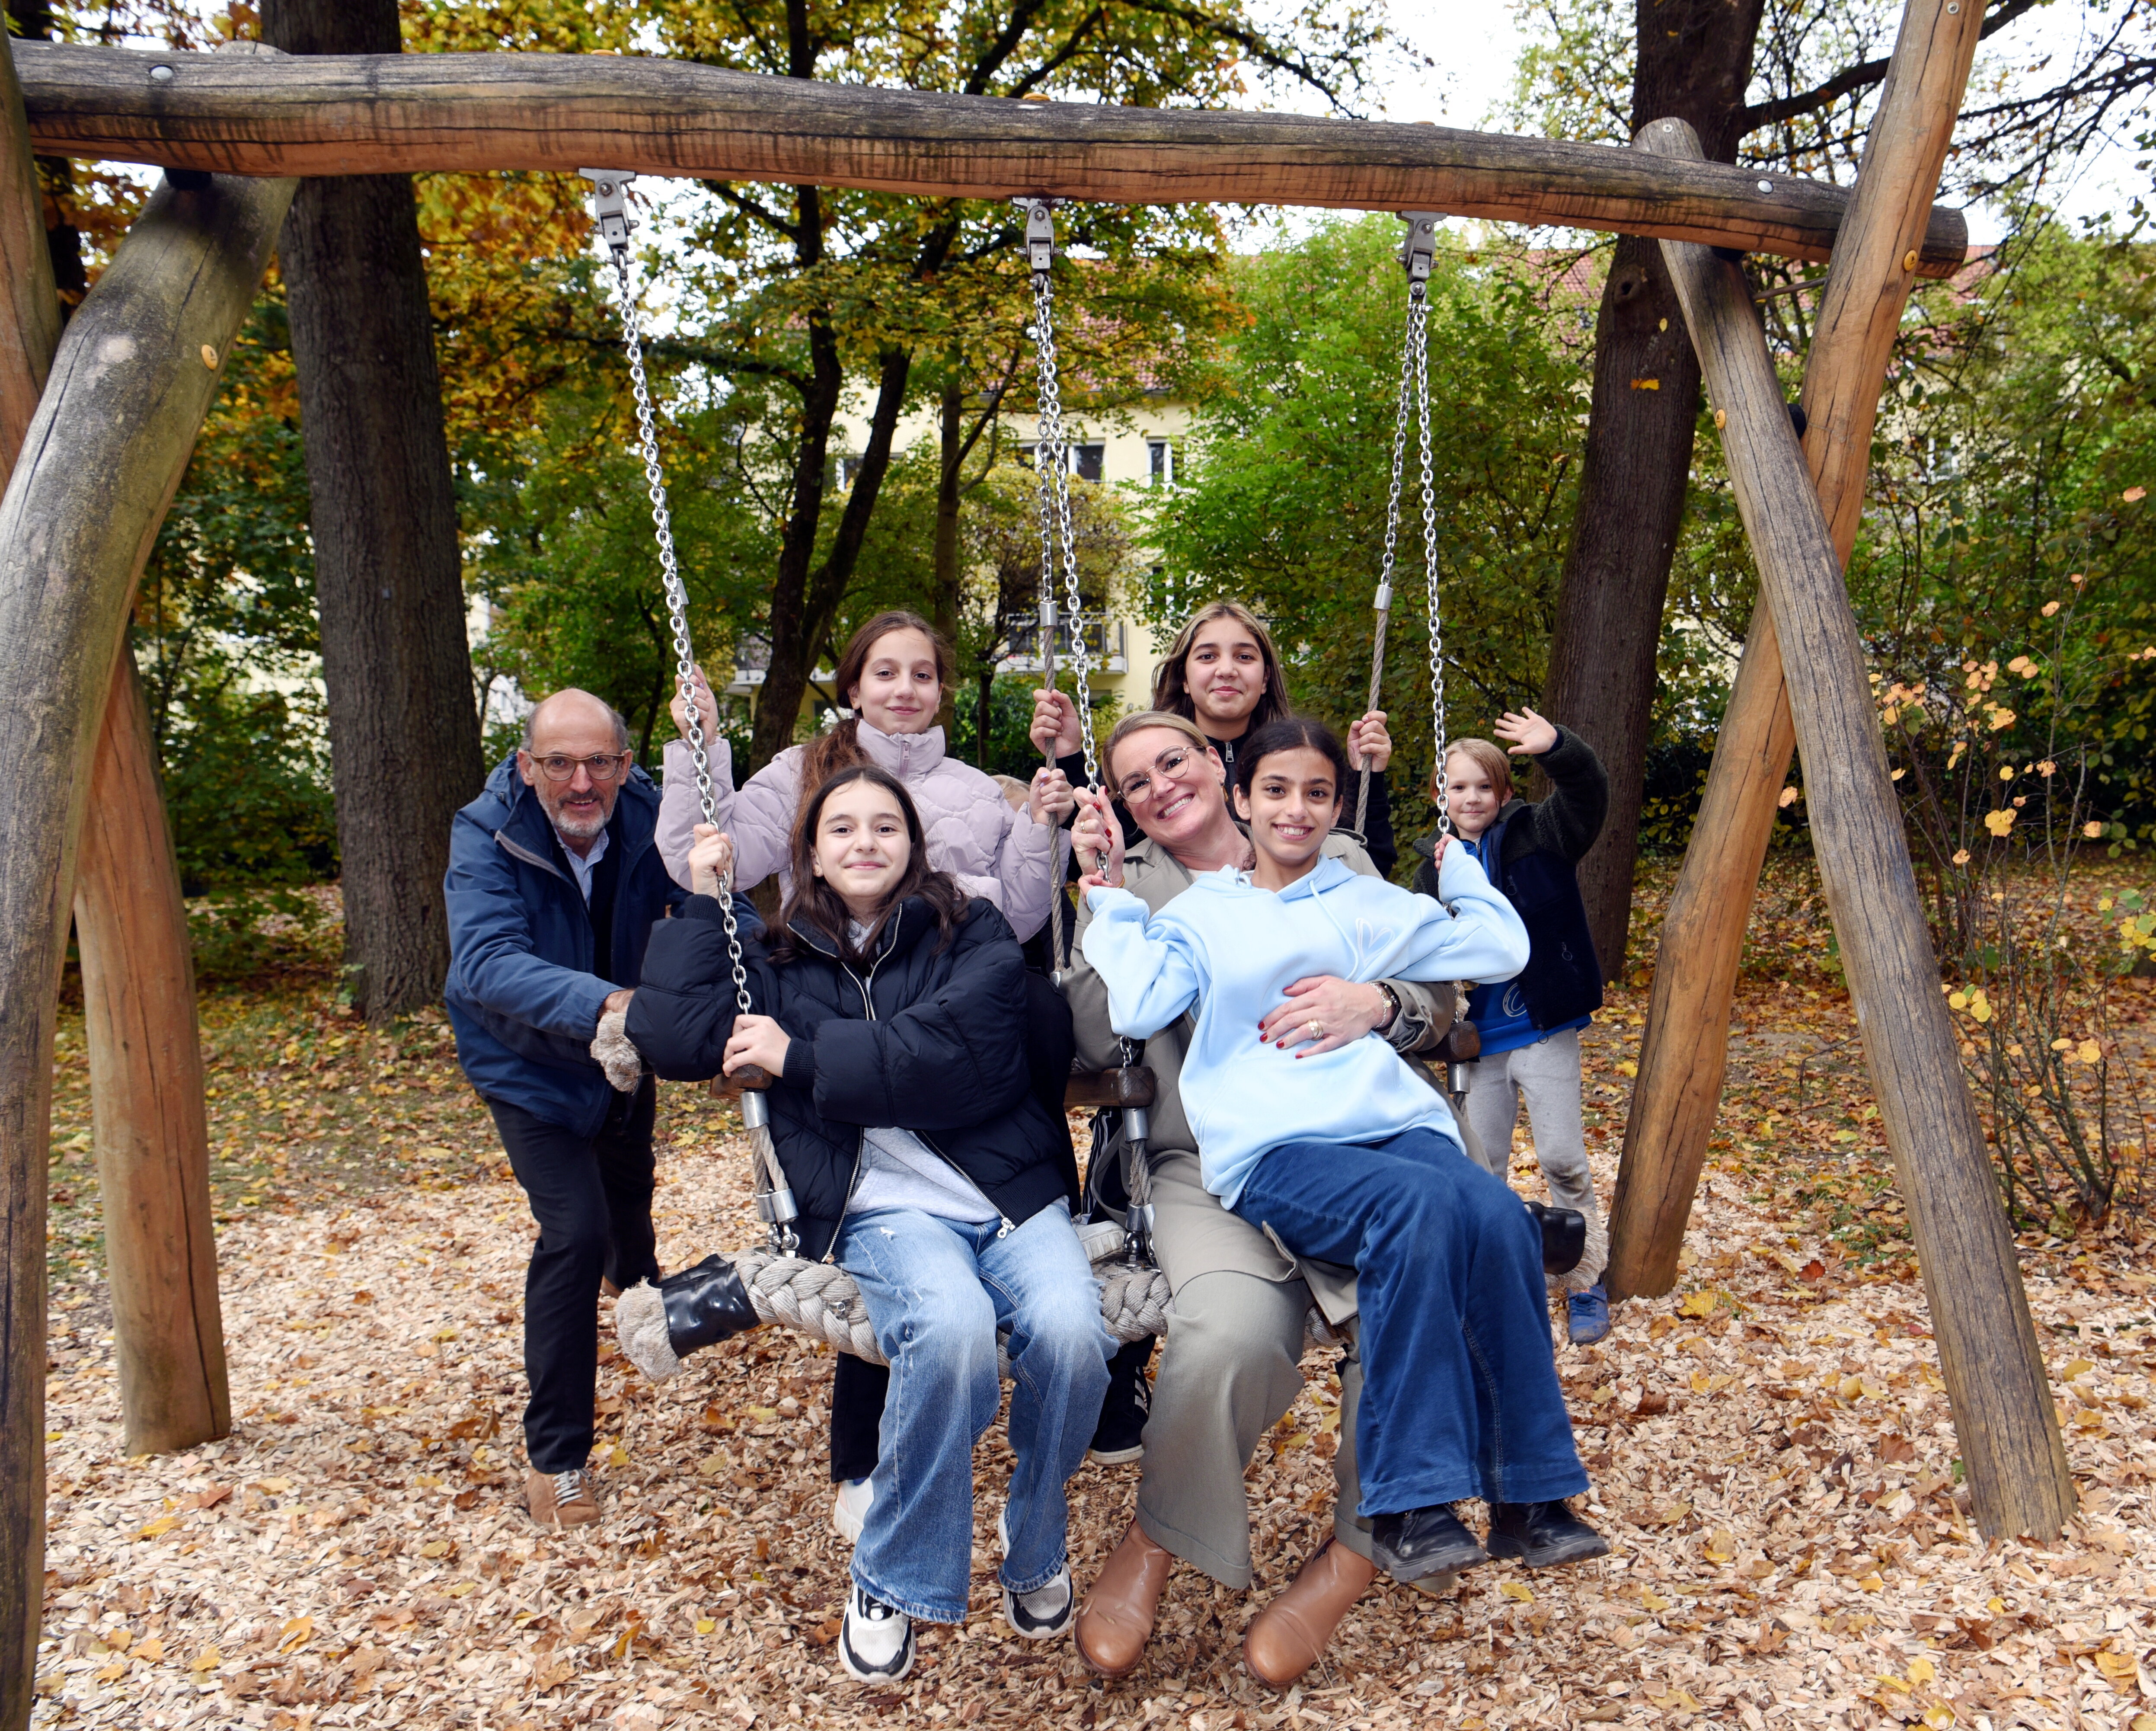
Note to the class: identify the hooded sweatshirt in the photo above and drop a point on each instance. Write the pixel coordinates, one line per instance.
(1232, 949)
(970, 829)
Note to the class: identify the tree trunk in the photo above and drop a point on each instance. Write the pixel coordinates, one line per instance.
(133, 379)
(146, 1090)
(1695, 59)
(404, 735)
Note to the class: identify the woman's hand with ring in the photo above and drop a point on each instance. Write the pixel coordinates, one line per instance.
(1324, 1013)
(1098, 837)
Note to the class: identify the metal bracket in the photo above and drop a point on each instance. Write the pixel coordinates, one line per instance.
(1039, 233)
(1418, 251)
(610, 204)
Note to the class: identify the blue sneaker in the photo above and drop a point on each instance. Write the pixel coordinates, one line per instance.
(1589, 1315)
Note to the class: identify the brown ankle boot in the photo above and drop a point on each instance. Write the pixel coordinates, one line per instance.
(1116, 1620)
(1284, 1639)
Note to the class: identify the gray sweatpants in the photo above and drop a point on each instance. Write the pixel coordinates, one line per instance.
(1546, 1076)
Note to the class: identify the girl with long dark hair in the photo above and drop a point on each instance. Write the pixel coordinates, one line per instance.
(888, 1006)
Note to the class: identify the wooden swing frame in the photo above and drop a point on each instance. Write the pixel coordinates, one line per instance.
(97, 427)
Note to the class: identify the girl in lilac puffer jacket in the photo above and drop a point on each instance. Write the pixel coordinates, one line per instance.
(894, 673)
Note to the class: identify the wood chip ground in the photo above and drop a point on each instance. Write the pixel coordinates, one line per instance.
(1770, 1447)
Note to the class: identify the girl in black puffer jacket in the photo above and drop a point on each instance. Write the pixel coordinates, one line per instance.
(891, 1011)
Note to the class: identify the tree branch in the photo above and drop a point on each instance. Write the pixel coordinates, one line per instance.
(753, 209)
(1852, 79)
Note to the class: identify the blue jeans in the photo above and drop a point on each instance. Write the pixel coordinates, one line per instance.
(1460, 1389)
(938, 1290)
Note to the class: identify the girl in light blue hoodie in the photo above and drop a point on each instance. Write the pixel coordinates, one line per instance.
(1347, 1156)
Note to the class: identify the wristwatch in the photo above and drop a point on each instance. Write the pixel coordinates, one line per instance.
(1392, 1015)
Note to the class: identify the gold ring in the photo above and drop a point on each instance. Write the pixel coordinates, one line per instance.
(1316, 1028)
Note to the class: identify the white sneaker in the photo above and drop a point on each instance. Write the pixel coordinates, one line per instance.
(876, 1643)
(1045, 1612)
(849, 1509)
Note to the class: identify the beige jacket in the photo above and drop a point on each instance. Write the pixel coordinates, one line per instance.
(1192, 1239)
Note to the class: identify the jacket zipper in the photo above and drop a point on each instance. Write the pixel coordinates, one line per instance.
(1003, 1222)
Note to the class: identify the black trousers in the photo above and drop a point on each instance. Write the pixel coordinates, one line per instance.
(592, 1198)
(858, 1387)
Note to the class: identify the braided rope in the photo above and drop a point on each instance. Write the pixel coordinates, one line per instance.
(821, 1301)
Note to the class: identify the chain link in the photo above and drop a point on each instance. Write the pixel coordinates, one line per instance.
(1053, 454)
(1385, 571)
(1418, 352)
(677, 594)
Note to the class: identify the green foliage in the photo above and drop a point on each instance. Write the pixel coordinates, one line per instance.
(1284, 493)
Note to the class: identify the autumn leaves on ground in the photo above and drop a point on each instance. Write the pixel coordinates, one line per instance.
(1770, 1445)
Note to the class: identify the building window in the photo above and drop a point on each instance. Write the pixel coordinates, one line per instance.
(849, 467)
(1088, 462)
(1160, 463)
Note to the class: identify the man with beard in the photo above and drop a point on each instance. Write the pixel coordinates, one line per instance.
(554, 886)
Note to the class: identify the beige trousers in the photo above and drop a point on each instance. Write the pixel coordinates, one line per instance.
(1230, 1366)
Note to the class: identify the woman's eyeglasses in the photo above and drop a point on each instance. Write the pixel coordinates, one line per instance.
(1169, 765)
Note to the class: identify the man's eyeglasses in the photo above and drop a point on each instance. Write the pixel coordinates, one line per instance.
(1169, 765)
(557, 768)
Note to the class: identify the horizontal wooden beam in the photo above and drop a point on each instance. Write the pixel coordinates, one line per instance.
(326, 114)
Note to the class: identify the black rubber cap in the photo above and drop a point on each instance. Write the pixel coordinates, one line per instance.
(1564, 1237)
(705, 1305)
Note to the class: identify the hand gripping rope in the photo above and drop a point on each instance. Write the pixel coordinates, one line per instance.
(1417, 252)
(1058, 545)
(774, 1198)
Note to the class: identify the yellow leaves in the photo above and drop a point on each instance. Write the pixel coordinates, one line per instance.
(2134, 496)
(2006, 771)
(1961, 856)
(1871, 1584)
(2119, 1668)
(296, 1633)
(1668, 1517)
(2050, 607)
(1788, 798)
(1922, 1671)
(1677, 1700)
(1654, 1600)
(1938, 1716)
(208, 1659)
(159, 1528)
(705, 1626)
(1972, 1000)
(1628, 1067)
(2000, 822)
(1998, 718)
(617, 1455)
(1698, 1304)
(1515, 1591)
(2024, 666)
(1720, 1546)
(151, 1651)
(436, 1549)
(711, 1466)
(763, 1415)
(1704, 1384)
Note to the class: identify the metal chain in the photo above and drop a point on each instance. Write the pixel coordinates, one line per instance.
(1055, 512)
(676, 591)
(1419, 347)
(1384, 600)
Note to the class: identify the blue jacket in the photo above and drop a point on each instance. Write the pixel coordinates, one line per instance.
(522, 994)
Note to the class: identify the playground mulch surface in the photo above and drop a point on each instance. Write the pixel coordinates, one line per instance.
(1770, 1445)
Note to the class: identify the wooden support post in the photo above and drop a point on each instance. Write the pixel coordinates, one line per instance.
(137, 970)
(134, 377)
(1685, 1053)
(146, 1090)
(1988, 1348)
(476, 113)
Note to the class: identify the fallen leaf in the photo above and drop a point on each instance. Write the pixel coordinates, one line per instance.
(1515, 1591)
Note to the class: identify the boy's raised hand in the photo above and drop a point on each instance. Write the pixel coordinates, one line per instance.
(1525, 731)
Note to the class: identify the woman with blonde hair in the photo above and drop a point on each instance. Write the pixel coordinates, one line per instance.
(1223, 673)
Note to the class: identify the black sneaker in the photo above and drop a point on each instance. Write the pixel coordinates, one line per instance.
(1424, 1541)
(1119, 1434)
(876, 1642)
(1542, 1534)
